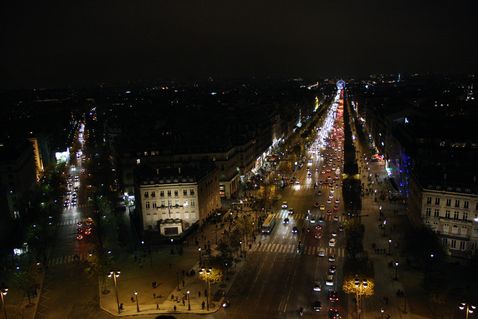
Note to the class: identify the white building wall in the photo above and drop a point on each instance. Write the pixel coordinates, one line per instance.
(165, 201)
(454, 216)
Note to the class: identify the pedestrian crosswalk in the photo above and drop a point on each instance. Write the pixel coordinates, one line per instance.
(63, 260)
(292, 249)
(72, 221)
(327, 217)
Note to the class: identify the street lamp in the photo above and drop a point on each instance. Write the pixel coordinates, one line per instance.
(381, 313)
(200, 255)
(3, 293)
(389, 245)
(467, 308)
(396, 270)
(172, 246)
(115, 274)
(137, 303)
(189, 301)
(207, 273)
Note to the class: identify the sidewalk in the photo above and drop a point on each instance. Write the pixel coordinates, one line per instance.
(174, 275)
(17, 304)
(390, 280)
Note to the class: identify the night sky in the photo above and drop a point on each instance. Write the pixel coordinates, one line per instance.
(64, 43)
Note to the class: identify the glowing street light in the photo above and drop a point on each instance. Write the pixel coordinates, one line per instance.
(115, 274)
(137, 303)
(469, 309)
(189, 300)
(396, 270)
(360, 288)
(3, 293)
(206, 273)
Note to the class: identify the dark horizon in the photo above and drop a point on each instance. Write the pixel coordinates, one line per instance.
(63, 45)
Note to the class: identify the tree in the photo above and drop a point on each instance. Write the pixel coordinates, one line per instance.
(354, 232)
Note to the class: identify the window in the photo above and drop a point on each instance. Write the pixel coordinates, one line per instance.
(453, 243)
(147, 205)
(193, 203)
(429, 200)
(428, 211)
(154, 204)
(448, 202)
(462, 245)
(176, 202)
(456, 215)
(146, 194)
(169, 193)
(153, 194)
(163, 204)
(186, 203)
(465, 204)
(437, 200)
(437, 212)
(465, 216)
(447, 214)
(191, 192)
(457, 203)
(176, 193)
(185, 192)
(161, 193)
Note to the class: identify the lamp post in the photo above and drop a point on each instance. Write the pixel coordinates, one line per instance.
(361, 287)
(115, 274)
(3, 293)
(389, 245)
(467, 308)
(200, 256)
(381, 313)
(172, 246)
(137, 303)
(396, 270)
(189, 301)
(206, 273)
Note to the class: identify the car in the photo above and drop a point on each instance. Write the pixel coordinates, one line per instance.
(66, 204)
(68, 192)
(291, 211)
(329, 281)
(331, 195)
(334, 234)
(329, 201)
(332, 258)
(317, 286)
(333, 296)
(337, 201)
(321, 252)
(329, 212)
(332, 269)
(319, 193)
(316, 305)
(295, 230)
(286, 220)
(322, 207)
(333, 314)
(316, 204)
(332, 242)
(336, 218)
(297, 182)
(284, 204)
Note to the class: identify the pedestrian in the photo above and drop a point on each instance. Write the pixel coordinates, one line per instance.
(132, 299)
(172, 297)
(199, 294)
(154, 296)
(203, 304)
(184, 302)
(174, 307)
(157, 306)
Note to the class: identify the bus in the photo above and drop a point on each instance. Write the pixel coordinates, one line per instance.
(268, 224)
